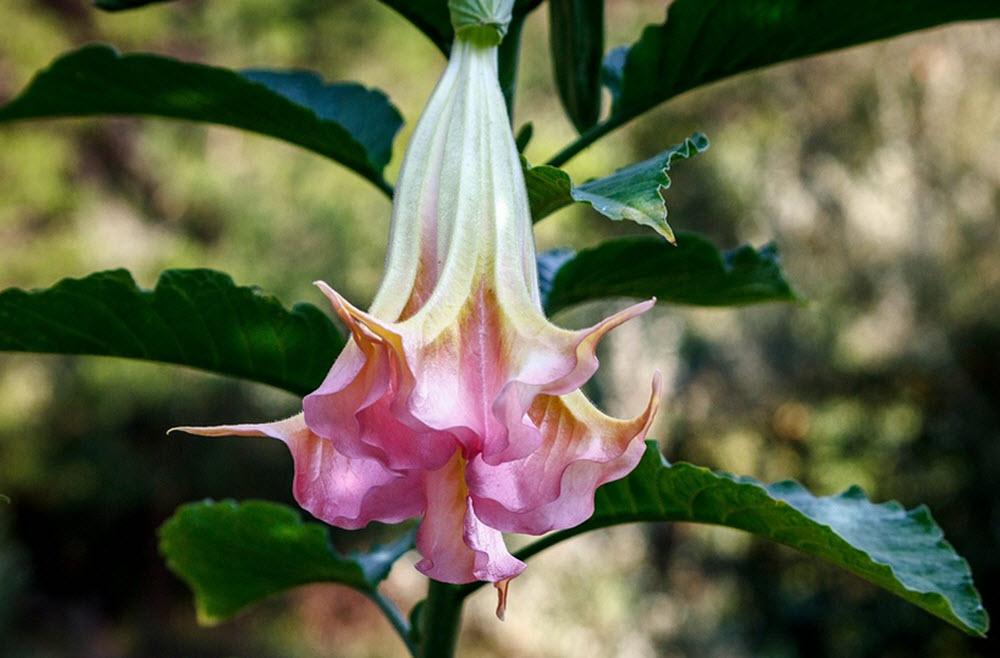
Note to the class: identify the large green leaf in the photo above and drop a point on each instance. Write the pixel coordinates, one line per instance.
(901, 551)
(201, 319)
(343, 121)
(692, 272)
(634, 192)
(196, 318)
(232, 555)
(576, 40)
(706, 40)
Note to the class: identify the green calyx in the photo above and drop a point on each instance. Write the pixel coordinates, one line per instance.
(481, 22)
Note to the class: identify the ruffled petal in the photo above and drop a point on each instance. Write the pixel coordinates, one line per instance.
(554, 362)
(455, 398)
(356, 406)
(457, 547)
(343, 491)
(553, 488)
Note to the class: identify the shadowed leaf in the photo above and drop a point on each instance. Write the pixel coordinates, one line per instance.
(345, 122)
(707, 40)
(576, 42)
(430, 16)
(901, 551)
(196, 318)
(234, 554)
(692, 272)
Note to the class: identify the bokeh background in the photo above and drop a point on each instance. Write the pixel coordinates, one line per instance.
(876, 170)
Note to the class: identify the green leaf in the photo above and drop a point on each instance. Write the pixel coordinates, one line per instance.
(901, 551)
(576, 41)
(431, 17)
(706, 40)
(119, 5)
(692, 272)
(232, 555)
(196, 318)
(524, 136)
(342, 121)
(634, 192)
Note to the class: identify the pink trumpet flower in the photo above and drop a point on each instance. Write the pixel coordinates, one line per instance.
(455, 398)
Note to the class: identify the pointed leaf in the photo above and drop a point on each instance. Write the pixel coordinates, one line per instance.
(707, 40)
(692, 272)
(196, 318)
(431, 17)
(234, 554)
(634, 192)
(524, 136)
(576, 40)
(342, 121)
(367, 115)
(901, 551)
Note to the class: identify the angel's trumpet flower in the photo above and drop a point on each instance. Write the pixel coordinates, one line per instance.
(455, 398)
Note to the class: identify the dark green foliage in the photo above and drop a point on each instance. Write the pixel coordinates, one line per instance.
(901, 551)
(232, 554)
(692, 272)
(430, 17)
(705, 40)
(196, 318)
(343, 121)
(576, 41)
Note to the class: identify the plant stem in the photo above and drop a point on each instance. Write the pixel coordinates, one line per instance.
(507, 61)
(395, 617)
(583, 141)
(439, 621)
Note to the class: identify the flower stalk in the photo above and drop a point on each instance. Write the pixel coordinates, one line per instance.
(440, 620)
(481, 22)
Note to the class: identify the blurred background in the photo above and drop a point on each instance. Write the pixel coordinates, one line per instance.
(876, 171)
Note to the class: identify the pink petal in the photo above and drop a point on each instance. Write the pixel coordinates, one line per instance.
(457, 547)
(343, 491)
(556, 368)
(355, 406)
(553, 488)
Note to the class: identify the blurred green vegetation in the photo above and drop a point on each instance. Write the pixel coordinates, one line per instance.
(877, 170)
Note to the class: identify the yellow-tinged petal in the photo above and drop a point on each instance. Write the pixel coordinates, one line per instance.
(456, 398)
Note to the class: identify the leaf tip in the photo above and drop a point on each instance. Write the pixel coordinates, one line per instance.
(204, 617)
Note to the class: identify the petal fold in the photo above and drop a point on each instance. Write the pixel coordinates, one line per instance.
(553, 488)
(342, 491)
(457, 547)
